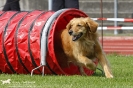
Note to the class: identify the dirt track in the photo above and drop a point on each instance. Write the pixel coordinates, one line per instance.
(118, 45)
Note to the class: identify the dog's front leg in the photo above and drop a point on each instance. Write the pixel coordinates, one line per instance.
(81, 69)
(105, 65)
(84, 61)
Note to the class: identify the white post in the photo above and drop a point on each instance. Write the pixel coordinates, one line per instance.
(50, 4)
(115, 15)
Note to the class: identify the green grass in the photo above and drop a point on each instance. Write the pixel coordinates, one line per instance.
(122, 67)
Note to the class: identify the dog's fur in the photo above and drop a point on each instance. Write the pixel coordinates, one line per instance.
(80, 45)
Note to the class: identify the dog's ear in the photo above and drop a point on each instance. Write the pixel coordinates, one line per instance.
(92, 25)
(68, 26)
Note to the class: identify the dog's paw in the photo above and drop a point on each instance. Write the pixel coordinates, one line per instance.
(83, 74)
(91, 66)
(109, 76)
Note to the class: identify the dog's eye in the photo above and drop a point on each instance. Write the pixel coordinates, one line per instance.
(79, 25)
(71, 25)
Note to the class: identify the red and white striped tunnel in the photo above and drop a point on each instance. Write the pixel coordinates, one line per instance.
(22, 41)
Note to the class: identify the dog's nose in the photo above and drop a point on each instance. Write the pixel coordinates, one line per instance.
(70, 32)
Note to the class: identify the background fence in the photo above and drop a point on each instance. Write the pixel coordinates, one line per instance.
(90, 7)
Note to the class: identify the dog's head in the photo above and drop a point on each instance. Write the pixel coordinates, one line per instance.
(79, 27)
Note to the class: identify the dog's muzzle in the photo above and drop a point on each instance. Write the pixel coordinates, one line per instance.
(70, 32)
(75, 36)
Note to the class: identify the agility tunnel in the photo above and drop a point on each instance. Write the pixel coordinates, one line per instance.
(27, 40)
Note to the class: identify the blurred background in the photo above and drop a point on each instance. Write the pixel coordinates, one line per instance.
(123, 9)
(29, 5)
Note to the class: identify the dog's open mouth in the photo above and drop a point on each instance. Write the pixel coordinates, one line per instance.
(76, 37)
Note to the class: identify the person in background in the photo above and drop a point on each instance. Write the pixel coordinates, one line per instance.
(12, 5)
(61, 4)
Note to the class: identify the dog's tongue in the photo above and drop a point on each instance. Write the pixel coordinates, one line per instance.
(74, 38)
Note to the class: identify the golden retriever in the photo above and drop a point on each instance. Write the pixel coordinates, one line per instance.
(80, 44)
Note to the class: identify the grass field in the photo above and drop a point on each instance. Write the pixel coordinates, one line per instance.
(122, 67)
